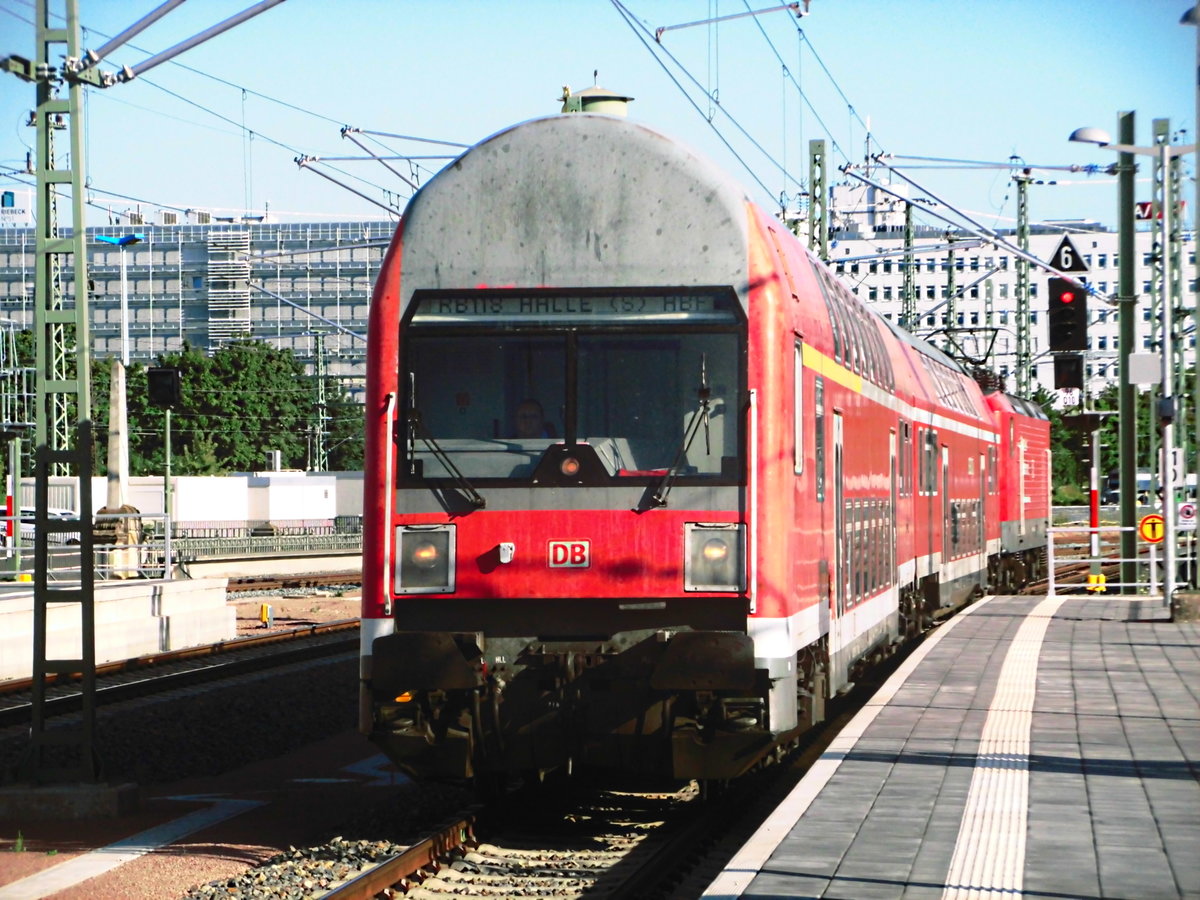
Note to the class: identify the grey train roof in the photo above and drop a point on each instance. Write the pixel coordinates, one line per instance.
(576, 200)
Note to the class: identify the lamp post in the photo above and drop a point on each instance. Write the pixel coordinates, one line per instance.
(1164, 152)
(1192, 17)
(122, 242)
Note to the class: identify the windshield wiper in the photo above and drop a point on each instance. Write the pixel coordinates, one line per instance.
(699, 417)
(417, 429)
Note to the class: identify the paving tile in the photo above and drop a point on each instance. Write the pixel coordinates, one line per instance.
(1113, 765)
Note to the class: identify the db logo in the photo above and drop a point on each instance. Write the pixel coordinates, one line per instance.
(569, 554)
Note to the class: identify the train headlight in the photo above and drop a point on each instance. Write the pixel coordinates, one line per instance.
(425, 561)
(714, 555)
(425, 555)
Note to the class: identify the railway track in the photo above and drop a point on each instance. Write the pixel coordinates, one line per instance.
(127, 679)
(565, 841)
(247, 583)
(593, 842)
(121, 679)
(1072, 578)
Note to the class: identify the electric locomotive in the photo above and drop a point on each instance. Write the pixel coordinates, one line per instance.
(645, 484)
(1024, 491)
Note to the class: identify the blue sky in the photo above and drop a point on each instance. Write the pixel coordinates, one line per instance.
(980, 80)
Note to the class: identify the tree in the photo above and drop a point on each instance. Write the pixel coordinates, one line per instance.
(345, 438)
(198, 458)
(248, 397)
(1068, 471)
(1110, 438)
(245, 399)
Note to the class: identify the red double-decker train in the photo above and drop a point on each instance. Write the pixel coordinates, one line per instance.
(645, 484)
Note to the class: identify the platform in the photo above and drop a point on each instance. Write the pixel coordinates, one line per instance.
(1037, 747)
(134, 618)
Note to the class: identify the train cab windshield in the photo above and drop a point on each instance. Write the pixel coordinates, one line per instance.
(649, 380)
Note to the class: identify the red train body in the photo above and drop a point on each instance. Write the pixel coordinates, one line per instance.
(736, 482)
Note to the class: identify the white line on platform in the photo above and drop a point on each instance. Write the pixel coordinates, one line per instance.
(97, 862)
(989, 855)
(748, 861)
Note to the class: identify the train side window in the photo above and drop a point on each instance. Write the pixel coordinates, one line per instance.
(798, 408)
(870, 349)
(873, 546)
(855, 351)
(868, 550)
(855, 572)
(841, 352)
(880, 543)
(906, 458)
(819, 436)
(890, 542)
(864, 530)
(991, 464)
(922, 464)
(864, 551)
(826, 283)
(929, 462)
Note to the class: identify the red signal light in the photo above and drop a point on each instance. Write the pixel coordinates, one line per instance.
(1068, 308)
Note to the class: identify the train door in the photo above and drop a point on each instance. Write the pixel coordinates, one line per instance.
(1020, 480)
(840, 566)
(981, 533)
(893, 535)
(950, 529)
(929, 486)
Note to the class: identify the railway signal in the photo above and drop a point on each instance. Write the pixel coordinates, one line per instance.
(1068, 371)
(163, 383)
(1068, 315)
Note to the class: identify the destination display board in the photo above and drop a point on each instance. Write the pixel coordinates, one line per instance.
(518, 306)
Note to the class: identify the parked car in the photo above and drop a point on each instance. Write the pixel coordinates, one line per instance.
(28, 526)
(1111, 490)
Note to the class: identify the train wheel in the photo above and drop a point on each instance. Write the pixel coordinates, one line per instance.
(1012, 574)
(812, 684)
(912, 611)
(1038, 564)
(993, 575)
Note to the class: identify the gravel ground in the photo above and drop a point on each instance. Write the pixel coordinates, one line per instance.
(306, 832)
(377, 834)
(206, 730)
(293, 608)
(235, 741)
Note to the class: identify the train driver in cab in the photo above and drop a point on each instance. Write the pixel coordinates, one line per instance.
(531, 420)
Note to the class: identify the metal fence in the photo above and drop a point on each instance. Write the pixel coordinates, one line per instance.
(1076, 544)
(151, 550)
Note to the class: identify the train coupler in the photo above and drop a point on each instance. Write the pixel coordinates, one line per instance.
(717, 753)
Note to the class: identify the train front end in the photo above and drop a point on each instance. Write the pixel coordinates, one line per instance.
(556, 555)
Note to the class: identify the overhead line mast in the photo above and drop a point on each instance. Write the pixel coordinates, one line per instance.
(63, 351)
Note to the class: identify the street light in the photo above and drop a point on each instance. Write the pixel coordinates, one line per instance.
(1192, 17)
(1164, 152)
(123, 241)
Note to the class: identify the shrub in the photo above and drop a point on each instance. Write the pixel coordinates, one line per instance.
(1069, 495)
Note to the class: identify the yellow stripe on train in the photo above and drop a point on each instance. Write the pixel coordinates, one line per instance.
(823, 365)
